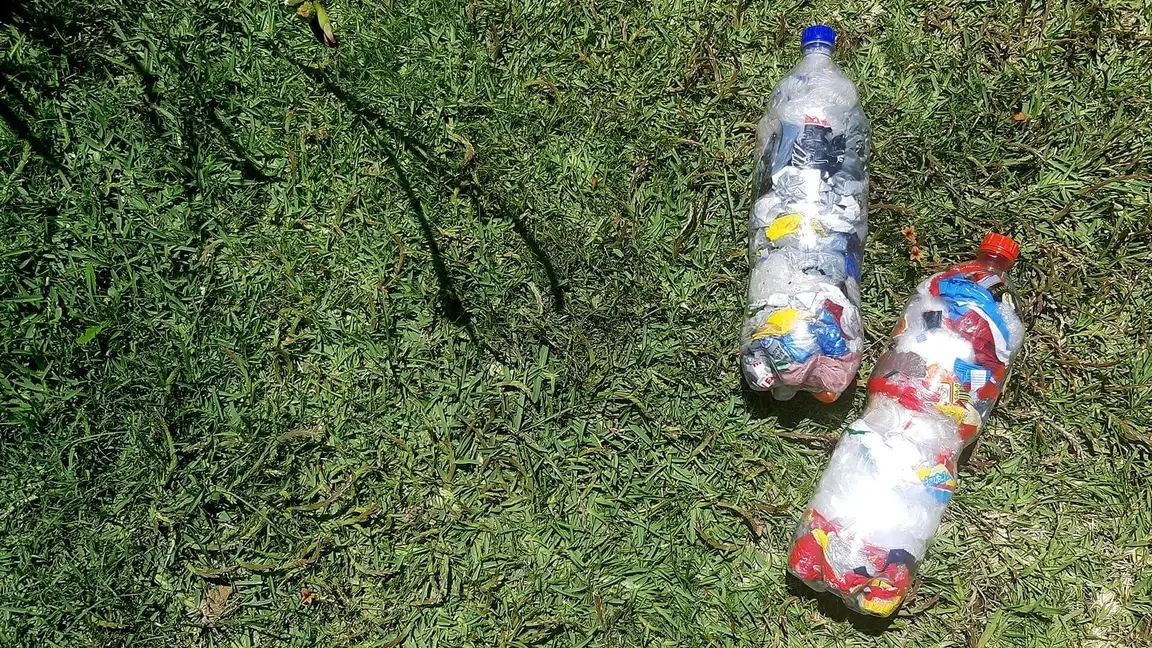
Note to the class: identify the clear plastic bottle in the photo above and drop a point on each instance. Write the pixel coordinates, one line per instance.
(893, 472)
(806, 232)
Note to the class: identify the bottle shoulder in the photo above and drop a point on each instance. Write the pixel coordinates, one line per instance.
(815, 80)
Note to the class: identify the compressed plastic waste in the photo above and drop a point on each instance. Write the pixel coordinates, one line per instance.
(806, 231)
(893, 471)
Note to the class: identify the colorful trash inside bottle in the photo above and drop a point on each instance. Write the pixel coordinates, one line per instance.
(806, 232)
(893, 472)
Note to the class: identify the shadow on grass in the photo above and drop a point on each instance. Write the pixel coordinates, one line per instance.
(69, 39)
(526, 235)
(79, 44)
(803, 407)
(453, 307)
(450, 301)
(486, 205)
(195, 114)
(11, 98)
(76, 41)
(832, 607)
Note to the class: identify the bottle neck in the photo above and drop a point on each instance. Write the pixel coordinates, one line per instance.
(994, 261)
(820, 49)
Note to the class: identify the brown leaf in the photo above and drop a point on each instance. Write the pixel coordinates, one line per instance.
(897, 209)
(757, 527)
(722, 546)
(1020, 117)
(215, 604)
(307, 596)
(469, 150)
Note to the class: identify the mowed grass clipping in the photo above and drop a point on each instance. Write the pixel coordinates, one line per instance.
(429, 339)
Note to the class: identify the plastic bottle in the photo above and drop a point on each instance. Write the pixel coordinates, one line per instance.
(893, 472)
(806, 231)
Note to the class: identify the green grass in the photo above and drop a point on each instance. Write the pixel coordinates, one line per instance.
(441, 323)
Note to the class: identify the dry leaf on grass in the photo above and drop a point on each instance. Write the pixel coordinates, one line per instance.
(215, 604)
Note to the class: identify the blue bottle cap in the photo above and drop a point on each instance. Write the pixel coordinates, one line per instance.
(818, 34)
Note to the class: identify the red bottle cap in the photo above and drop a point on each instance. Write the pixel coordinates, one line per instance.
(1000, 244)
